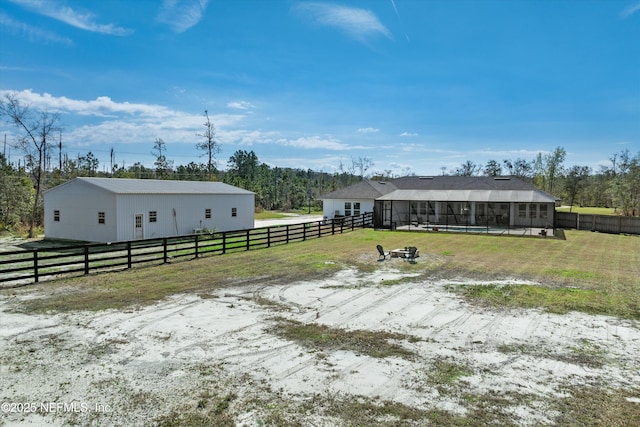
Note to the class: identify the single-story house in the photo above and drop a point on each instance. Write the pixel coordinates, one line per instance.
(502, 201)
(355, 199)
(114, 209)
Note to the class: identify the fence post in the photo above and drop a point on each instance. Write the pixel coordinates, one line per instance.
(319, 229)
(248, 239)
(164, 250)
(35, 265)
(268, 237)
(86, 259)
(333, 227)
(224, 243)
(129, 254)
(196, 244)
(287, 234)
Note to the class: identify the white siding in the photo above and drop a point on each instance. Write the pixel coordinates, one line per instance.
(79, 205)
(331, 206)
(177, 214)
(180, 214)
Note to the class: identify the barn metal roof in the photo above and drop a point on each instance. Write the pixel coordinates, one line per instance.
(156, 186)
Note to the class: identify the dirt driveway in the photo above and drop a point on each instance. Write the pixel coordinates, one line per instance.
(220, 353)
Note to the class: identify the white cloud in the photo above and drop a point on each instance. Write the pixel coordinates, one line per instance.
(408, 134)
(240, 105)
(359, 24)
(630, 10)
(368, 130)
(82, 20)
(125, 122)
(180, 15)
(314, 142)
(32, 33)
(101, 106)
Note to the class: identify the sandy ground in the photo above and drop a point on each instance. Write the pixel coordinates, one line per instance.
(132, 367)
(291, 219)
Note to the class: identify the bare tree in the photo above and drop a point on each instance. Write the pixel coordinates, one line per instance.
(163, 166)
(493, 168)
(209, 146)
(361, 165)
(35, 137)
(554, 162)
(468, 168)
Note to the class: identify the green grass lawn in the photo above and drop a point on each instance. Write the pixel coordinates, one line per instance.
(605, 266)
(269, 215)
(588, 210)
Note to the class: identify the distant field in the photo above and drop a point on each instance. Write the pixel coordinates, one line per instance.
(279, 214)
(269, 215)
(588, 210)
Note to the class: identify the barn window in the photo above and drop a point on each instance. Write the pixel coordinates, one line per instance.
(234, 211)
(207, 213)
(153, 216)
(56, 215)
(100, 217)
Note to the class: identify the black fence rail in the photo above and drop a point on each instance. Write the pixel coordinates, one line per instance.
(29, 266)
(601, 223)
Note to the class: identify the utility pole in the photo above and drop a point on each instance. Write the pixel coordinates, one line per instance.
(60, 152)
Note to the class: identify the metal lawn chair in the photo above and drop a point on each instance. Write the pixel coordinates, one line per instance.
(382, 253)
(412, 254)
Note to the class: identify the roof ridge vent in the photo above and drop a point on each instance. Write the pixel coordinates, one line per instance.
(502, 178)
(426, 177)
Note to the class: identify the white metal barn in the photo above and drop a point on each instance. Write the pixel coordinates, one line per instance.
(114, 209)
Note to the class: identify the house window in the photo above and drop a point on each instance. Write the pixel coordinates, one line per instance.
(347, 208)
(522, 210)
(56, 215)
(543, 212)
(207, 213)
(356, 208)
(100, 217)
(533, 211)
(153, 216)
(234, 211)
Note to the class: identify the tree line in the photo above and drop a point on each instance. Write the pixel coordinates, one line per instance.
(22, 185)
(613, 186)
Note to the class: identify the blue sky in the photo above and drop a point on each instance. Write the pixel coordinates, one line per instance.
(414, 85)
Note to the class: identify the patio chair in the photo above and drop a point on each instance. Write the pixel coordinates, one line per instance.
(382, 253)
(412, 254)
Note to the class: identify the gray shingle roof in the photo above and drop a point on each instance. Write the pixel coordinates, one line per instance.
(155, 186)
(446, 188)
(366, 189)
(445, 182)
